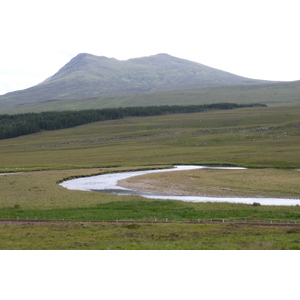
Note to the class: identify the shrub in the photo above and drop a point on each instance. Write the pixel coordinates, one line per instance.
(132, 226)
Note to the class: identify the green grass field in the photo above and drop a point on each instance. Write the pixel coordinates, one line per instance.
(249, 137)
(175, 236)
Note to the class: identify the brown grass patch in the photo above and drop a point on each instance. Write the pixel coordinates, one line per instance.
(228, 183)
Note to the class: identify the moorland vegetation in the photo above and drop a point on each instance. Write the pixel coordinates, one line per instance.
(48, 146)
(22, 124)
(255, 137)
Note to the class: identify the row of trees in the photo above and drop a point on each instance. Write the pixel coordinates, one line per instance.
(21, 124)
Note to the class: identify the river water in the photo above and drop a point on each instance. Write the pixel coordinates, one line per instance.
(8, 173)
(108, 183)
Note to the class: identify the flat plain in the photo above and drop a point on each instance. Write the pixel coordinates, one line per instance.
(265, 140)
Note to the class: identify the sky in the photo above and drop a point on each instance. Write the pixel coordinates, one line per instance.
(256, 39)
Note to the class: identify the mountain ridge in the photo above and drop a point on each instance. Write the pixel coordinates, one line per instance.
(87, 75)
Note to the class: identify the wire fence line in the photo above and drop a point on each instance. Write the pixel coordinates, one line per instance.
(243, 221)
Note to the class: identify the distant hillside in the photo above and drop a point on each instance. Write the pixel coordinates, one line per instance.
(271, 94)
(87, 75)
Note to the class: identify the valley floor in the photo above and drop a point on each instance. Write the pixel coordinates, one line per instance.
(134, 236)
(266, 140)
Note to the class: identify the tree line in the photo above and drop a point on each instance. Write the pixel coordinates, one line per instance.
(27, 123)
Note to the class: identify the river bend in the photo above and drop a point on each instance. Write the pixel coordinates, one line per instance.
(108, 183)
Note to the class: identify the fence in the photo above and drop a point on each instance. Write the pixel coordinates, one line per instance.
(253, 222)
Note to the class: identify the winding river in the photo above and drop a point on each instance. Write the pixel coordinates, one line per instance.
(108, 183)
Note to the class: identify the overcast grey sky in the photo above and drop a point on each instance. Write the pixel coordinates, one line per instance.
(256, 38)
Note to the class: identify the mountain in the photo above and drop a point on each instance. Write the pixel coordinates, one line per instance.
(88, 75)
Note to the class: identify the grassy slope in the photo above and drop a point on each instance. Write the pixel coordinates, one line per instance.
(257, 137)
(270, 94)
(267, 137)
